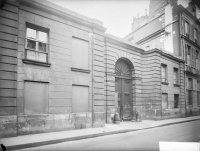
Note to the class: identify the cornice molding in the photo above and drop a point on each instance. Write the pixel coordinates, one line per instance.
(182, 9)
(63, 14)
(122, 43)
(170, 56)
(189, 40)
(151, 36)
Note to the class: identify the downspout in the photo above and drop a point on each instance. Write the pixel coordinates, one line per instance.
(183, 53)
(106, 80)
(92, 47)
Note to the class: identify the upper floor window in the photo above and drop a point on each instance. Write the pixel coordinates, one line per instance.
(164, 73)
(36, 44)
(187, 31)
(80, 53)
(197, 61)
(187, 54)
(198, 85)
(193, 58)
(190, 83)
(195, 34)
(175, 76)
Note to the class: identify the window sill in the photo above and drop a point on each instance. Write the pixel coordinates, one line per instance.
(176, 85)
(36, 62)
(80, 70)
(165, 83)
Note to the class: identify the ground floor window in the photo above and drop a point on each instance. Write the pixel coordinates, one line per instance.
(198, 97)
(164, 100)
(80, 99)
(190, 97)
(35, 98)
(176, 100)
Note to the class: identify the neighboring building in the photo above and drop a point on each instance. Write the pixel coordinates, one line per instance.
(60, 71)
(174, 26)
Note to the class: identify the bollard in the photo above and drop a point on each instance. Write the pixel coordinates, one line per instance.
(116, 118)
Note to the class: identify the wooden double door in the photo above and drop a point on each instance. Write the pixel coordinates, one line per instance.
(123, 88)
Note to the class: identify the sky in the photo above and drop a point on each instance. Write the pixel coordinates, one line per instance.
(116, 15)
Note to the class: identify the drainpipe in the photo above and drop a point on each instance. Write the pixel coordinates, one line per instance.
(92, 47)
(183, 53)
(106, 80)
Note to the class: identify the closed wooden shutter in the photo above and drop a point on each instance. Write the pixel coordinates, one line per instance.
(80, 53)
(35, 98)
(164, 101)
(80, 99)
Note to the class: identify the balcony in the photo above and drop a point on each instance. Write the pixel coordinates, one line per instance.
(192, 71)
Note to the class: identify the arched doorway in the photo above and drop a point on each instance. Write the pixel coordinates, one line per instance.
(123, 88)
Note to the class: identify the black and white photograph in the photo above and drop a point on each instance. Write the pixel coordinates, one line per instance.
(100, 75)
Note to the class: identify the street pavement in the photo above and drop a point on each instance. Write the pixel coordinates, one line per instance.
(35, 140)
(144, 140)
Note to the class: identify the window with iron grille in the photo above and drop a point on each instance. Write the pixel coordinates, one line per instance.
(163, 73)
(36, 43)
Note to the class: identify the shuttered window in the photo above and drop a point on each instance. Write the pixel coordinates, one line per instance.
(164, 100)
(35, 98)
(80, 99)
(80, 56)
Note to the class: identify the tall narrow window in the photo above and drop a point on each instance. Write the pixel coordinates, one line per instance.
(176, 101)
(164, 73)
(164, 100)
(36, 43)
(193, 58)
(198, 98)
(195, 34)
(187, 29)
(197, 61)
(80, 53)
(198, 85)
(175, 76)
(188, 55)
(190, 97)
(190, 83)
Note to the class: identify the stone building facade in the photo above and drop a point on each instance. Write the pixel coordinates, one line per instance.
(60, 71)
(173, 26)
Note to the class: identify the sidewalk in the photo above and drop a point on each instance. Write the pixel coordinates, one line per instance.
(34, 140)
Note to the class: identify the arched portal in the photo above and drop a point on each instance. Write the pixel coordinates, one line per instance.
(123, 88)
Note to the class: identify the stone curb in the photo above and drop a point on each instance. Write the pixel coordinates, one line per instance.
(37, 144)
